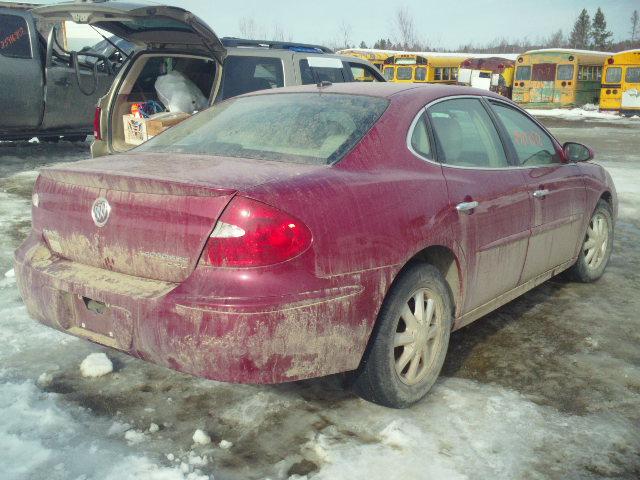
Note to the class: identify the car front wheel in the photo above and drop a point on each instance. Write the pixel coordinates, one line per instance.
(596, 247)
(410, 341)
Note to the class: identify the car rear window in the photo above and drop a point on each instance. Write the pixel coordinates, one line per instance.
(311, 128)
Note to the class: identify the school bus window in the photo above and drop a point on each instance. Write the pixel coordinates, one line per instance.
(454, 74)
(523, 73)
(421, 73)
(614, 75)
(633, 75)
(599, 73)
(388, 73)
(404, 73)
(564, 72)
(437, 75)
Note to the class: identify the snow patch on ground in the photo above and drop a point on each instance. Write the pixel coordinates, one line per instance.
(588, 111)
(201, 438)
(96, 365)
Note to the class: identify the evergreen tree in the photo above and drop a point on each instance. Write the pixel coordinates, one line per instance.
(601, 36)
(363, 45)
(635, 25)
(581, 31)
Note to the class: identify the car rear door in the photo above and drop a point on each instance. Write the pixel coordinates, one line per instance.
(556, 189)
(489, 202)
(21, 80)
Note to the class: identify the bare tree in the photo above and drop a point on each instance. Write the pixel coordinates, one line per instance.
(279, 35)
(556, 39)
(248, 27)
(406, 28)
(635, 25)
(344, 34)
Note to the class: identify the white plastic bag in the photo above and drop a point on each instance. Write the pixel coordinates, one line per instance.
(179, 94)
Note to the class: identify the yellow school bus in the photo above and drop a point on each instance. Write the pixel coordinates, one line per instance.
(377, 58)
(551, 78)
(621, 83)
(414, 68)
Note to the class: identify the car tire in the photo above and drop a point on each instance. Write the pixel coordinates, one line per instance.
(391, 373)
(596, 248)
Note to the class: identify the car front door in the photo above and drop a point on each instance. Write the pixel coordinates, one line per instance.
(21, 80)
(556, 188)
(489, 201)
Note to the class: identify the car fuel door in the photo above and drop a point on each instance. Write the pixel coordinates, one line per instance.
(75, 81)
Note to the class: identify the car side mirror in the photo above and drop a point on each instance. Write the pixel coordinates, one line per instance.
(576, 152)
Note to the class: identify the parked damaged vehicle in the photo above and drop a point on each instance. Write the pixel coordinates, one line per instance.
(304, 231)
(178, 50)
(47, 90)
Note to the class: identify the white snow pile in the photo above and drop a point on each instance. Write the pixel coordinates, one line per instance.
(201, 437)
(134, 436)
(96, 365)
(225, 444)
(588, 111)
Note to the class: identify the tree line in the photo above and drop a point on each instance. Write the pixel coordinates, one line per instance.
(586, 34)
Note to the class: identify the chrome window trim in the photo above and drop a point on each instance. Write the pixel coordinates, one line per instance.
(478, 97)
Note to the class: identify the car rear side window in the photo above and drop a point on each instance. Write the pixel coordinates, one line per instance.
(14, 37)
(532, 145)
(465, 134)
(420, 138)
(311, 128)
(313, 75)
(363, 73)
(244, 74)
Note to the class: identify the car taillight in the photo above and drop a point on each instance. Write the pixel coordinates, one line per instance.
(252, 234)
(96, 123)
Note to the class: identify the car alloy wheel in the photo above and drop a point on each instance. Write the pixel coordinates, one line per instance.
(417, 338)
(597, 241)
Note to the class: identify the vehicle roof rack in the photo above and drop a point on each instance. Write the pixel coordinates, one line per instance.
(293, 46)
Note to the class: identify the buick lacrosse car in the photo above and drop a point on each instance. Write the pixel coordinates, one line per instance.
(304, 231)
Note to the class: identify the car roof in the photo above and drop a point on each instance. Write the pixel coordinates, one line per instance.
(419, 92)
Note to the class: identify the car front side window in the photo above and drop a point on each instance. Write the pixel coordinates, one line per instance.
(532, 145)
(466, 135)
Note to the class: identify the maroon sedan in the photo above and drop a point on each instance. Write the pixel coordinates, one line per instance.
(305, 231)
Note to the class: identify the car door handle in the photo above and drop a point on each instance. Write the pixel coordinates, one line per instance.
(466, 207)
(541, 193)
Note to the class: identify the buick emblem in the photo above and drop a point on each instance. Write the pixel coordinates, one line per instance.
(100, 211)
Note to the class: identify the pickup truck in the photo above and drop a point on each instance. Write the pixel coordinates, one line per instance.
(45, 90)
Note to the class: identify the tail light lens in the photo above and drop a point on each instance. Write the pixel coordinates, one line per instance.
(96, 123)
(252, 234)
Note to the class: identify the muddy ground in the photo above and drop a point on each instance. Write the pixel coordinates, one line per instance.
(547, 386)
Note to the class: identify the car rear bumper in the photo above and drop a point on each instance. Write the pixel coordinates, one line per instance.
(256, 340)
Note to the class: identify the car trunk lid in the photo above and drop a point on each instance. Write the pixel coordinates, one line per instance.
(145, 25)
(161, 209)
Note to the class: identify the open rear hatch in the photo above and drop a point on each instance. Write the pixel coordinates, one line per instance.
(143, 25)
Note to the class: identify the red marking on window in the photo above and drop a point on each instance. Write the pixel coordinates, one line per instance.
(527, 138)
(12, 38)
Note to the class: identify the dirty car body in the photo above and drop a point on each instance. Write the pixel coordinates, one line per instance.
(178, 275)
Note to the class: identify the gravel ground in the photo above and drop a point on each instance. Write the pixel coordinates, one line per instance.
(547, 386)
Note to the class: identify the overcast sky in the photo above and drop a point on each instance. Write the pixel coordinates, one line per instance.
(441, 23)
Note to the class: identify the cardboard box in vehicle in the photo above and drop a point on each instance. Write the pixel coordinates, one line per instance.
(139, 130)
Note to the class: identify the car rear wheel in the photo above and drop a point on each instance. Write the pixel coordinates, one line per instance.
(596, 248)
(410, 341)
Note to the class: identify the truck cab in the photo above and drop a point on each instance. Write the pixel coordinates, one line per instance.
(47, 91)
